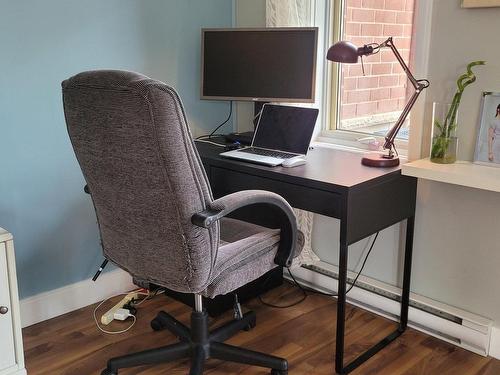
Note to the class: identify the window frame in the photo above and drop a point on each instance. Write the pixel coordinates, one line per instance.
(330, 133)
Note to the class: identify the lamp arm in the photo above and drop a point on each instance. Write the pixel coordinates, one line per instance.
(389, 43)
(418, 85)
(391, 135)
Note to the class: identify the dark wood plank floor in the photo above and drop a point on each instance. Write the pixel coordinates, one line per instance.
(304, 334)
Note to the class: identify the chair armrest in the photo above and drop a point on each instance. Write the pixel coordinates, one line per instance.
(231, 202)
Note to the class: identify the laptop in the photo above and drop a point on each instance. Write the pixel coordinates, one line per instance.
(283, 132)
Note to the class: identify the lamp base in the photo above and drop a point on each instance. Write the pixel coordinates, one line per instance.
(380, 160)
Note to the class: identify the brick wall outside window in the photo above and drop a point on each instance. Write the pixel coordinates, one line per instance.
(383, 89)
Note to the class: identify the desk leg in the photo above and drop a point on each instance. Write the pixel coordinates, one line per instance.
(341, 300)
(405, 303)
(405, 297)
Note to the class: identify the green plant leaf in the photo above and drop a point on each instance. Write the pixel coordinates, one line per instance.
(463, 81)
(438, 125)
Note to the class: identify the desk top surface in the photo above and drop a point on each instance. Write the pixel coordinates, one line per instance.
(325, 166)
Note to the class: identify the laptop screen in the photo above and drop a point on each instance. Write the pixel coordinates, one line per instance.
(285, 128)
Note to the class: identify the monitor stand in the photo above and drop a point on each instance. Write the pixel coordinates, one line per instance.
(245, 138)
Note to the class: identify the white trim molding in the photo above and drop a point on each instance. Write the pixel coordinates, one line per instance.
(60, 301)
(13, 371)
(495, 343)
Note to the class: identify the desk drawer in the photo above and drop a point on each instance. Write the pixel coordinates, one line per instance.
(225, 181)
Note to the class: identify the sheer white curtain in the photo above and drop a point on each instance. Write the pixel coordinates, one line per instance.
(288, 13)
(294, 13)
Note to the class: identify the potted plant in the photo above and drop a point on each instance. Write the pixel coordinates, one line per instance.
(444, 140)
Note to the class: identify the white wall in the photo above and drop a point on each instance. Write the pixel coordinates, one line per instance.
(457, 242)
(457, 247)
(457, 235)
(460, 36)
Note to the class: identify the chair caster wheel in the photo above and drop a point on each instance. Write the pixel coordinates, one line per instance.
(251, 325)
(108, 372)
(156, 325)
(279, 372)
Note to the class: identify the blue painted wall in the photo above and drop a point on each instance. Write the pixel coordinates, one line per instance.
(41, 44)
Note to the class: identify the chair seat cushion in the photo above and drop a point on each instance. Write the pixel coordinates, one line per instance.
(246, 252)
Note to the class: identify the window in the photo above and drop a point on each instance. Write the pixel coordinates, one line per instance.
(370, 104)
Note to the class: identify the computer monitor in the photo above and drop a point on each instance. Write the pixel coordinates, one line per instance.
(266, 65)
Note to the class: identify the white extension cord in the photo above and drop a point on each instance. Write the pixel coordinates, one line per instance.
(113, 332)
(121, 314)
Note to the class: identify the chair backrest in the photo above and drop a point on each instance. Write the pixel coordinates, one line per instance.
(131, 138)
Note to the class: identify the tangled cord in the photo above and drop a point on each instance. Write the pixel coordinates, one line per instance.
(306, 290)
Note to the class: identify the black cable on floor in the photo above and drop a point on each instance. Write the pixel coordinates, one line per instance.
(305, 290)
(302, 299)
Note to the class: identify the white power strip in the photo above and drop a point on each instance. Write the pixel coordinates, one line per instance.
(108, 317)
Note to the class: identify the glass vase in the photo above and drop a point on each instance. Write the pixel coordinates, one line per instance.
(444, 144)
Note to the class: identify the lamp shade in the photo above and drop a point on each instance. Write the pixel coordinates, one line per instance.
(343, 52)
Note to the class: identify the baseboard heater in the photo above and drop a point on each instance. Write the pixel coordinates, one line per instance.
(456, 326)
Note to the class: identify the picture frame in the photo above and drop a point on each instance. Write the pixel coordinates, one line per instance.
(480, 3)
(487, 151)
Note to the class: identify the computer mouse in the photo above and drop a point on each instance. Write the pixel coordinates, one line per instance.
(294, 162)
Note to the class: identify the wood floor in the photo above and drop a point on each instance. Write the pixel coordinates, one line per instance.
(304, 334)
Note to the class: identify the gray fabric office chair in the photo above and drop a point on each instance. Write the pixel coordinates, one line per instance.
(157, 217)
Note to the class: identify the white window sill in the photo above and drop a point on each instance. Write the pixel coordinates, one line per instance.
(354, 150)
(347, 141)
(319, 142)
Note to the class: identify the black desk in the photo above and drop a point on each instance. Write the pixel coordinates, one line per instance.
(335, 184)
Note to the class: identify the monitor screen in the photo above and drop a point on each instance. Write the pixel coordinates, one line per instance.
(285, 128)
(273, 64)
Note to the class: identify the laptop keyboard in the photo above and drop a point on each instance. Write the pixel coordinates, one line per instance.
(264, 152)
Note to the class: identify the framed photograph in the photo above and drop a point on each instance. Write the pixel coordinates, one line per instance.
(488, 137)
(480, 3)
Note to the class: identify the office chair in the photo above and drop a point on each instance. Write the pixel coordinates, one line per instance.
(157, 217)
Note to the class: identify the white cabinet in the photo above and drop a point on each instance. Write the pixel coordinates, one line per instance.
(11, 344)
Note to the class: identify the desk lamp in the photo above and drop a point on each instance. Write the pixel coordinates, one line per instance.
(346, 52)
